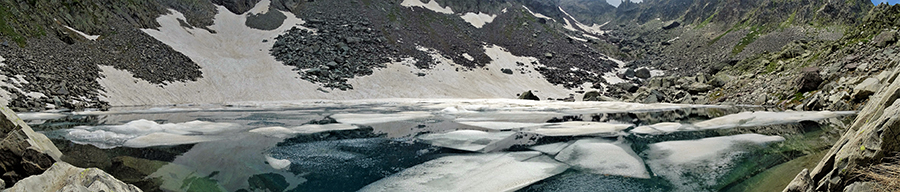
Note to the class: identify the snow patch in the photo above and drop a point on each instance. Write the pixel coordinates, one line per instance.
(538, 15)
(478, 19)
(469, 57)
(86, 36)
(431, 5)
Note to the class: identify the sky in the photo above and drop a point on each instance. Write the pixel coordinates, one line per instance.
(876, 2)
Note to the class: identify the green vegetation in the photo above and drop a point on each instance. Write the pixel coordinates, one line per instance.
(708, 19)
(755, 32)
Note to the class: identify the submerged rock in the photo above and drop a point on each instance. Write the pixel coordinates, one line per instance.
(64, 177)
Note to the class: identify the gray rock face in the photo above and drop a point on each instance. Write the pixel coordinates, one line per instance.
(866, 88)
(237, 6)
(65, 177)
(698, 87)
(861, 187)
(23, 152)
(527, 95)
(801, 183)
(875, 132)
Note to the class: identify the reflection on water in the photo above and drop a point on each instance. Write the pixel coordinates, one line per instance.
(437, 144)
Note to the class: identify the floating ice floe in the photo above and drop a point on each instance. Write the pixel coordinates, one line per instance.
(283, 132)
(762, 118)
(697, 165)
(368, 119)
(146, 133)
(604, 157)
(466, 140)
(483, 172)
(163, 139)
(500, 126)
(661, 128)
(277, 163)
(551, 149)
(40, 116)
(580, 128)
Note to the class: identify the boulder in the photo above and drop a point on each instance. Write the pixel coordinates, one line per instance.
(801, 183)
(809, 79)
(642, 73)
(671, 25)
(866, 88)
(626, 86)
(527, 95)
(23, 152)
(64, 177)
(595, 96)
(698, 87)
(629, 73)
(885, 38)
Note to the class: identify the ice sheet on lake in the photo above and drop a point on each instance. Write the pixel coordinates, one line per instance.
(368, 119)
(483, 172)
(661, 128)
(162, 139)
(283, 132)
(761, 118)
(696, 165)
(40, 116)
(573, 108)
(500, 126)
(467, 140)
(277, 163)
(579, 128)
(604, 157)
(146, 133)
(551, 149)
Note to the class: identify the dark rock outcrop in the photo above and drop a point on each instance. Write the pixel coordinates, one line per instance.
(237, 6)
(809, 79)
(527, 95)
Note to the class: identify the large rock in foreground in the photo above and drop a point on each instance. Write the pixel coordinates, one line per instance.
(64, 177)
(874, 133)
(23, 152)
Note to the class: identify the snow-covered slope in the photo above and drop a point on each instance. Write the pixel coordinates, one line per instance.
(237, 66)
